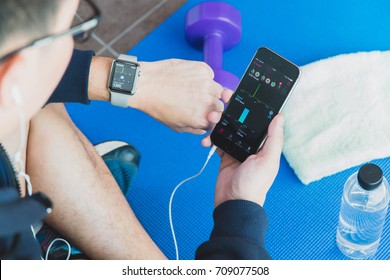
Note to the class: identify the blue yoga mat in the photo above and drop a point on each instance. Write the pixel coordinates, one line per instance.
(303, 219)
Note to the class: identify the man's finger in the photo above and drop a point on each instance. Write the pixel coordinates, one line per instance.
(226, 95)
(206, 141)
(214, 117)
(197, 131)
(217, 105)
(216, 90)
(272, 148)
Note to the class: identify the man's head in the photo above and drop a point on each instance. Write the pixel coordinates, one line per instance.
(33, 72)
(26, 19)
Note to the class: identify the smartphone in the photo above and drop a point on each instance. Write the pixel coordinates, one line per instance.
(260, 96)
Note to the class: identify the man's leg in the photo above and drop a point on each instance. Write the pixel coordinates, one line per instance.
(88, 206)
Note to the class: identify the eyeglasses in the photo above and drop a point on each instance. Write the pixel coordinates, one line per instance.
(80, 32)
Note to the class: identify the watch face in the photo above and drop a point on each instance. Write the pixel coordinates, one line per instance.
(123, 76)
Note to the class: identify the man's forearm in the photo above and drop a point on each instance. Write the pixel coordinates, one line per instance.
(98, 78)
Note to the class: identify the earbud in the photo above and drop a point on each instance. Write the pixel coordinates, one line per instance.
(16, 95)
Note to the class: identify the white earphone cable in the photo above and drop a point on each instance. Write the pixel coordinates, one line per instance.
(173, 194)
(19, 163)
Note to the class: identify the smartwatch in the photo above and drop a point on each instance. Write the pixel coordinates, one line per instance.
(124, 75)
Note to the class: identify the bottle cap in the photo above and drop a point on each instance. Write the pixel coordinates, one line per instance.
(370, 176)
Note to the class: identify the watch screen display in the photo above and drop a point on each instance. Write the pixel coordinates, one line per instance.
(123, 76)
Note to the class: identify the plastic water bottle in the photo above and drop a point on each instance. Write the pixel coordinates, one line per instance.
(363, 212)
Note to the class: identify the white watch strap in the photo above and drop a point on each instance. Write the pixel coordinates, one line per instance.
(119, 99)
(126, 57)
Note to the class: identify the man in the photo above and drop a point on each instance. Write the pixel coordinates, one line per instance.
(89, 208)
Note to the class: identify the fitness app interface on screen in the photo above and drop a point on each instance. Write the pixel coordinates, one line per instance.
(123, 77)
(256, 101)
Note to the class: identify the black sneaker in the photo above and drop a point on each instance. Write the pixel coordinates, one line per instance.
(122, 159)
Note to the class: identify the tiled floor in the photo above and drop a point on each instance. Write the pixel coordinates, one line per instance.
(125, 22)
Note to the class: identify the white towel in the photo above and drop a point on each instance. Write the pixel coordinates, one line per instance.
(339, 115)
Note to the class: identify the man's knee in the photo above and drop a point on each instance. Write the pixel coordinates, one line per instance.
(56, 110)
(51, 115)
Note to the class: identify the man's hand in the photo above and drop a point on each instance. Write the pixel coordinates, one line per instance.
(180, 94)
(251, 179)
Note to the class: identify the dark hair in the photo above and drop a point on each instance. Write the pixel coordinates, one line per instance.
(26, 17)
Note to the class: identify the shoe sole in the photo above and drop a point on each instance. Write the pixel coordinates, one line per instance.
(106, 147)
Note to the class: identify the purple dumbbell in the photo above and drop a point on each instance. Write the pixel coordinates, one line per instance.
(215, 27)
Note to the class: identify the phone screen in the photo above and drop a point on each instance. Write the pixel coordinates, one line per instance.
(260, 96)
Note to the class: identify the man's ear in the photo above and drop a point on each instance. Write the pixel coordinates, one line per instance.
(9, 77)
